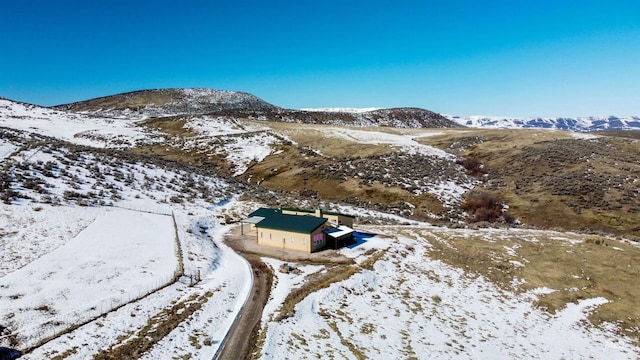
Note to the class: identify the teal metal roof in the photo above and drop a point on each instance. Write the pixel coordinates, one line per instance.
(294, 223)
(264, 212)
(313, 212)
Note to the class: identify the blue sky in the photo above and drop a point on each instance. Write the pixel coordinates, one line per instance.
(517, 58)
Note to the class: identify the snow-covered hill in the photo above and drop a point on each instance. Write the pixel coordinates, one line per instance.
(88, 240)
(63, 203)
(167, 102)
(408, 305)
(178, 102)
(579, 124)
(76, 128)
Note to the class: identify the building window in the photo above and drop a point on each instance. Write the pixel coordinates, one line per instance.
(304, 241)
(261, 234)
(292, 240)
(269, 236)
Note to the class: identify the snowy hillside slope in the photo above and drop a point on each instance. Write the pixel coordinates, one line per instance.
(75, 128)
(216, 135)
(167, 102)
(578, 124)
(239, 144)
(49, 171)
(409, 305)
(58, 198)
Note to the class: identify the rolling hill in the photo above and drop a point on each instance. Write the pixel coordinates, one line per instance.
(167, 102)
(197, 161)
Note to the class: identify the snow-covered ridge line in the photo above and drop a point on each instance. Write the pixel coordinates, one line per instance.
(582, 123)
(342, 110)
(143, 104)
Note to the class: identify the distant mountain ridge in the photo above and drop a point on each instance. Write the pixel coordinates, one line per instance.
(578, 124)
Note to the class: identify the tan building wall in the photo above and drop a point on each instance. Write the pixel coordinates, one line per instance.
(288, 240)
(334, 220)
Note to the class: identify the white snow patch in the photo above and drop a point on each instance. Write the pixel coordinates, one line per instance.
(584, 136)
(245, 150)
(120, 256)
(72, 127)
(6, 149)
(411, 299)
(405, 142)
(284, 283)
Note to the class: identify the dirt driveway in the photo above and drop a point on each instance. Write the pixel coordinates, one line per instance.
(241, 340)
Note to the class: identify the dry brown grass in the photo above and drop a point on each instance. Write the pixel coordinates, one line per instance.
(320, 281)
(295, 169)
(551, 180)
(318, 137)
(127, 101)
(355, 351)
(174, 126)
(577, 266)
(157, 327)
(334, 274)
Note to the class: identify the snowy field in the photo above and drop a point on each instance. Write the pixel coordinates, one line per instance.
(117, 265)
(88, 241)
(6, 148)
(120, 256)
(410, 306)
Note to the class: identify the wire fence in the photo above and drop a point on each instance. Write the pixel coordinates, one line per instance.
(160, 210)
(29, 339)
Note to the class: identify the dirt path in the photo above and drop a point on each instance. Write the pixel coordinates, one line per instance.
(241, 339)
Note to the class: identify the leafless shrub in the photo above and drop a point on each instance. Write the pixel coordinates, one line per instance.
(485, 206)
(473, 167)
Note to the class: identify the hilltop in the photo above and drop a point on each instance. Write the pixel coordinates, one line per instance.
(167, 102)
(162, 103)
